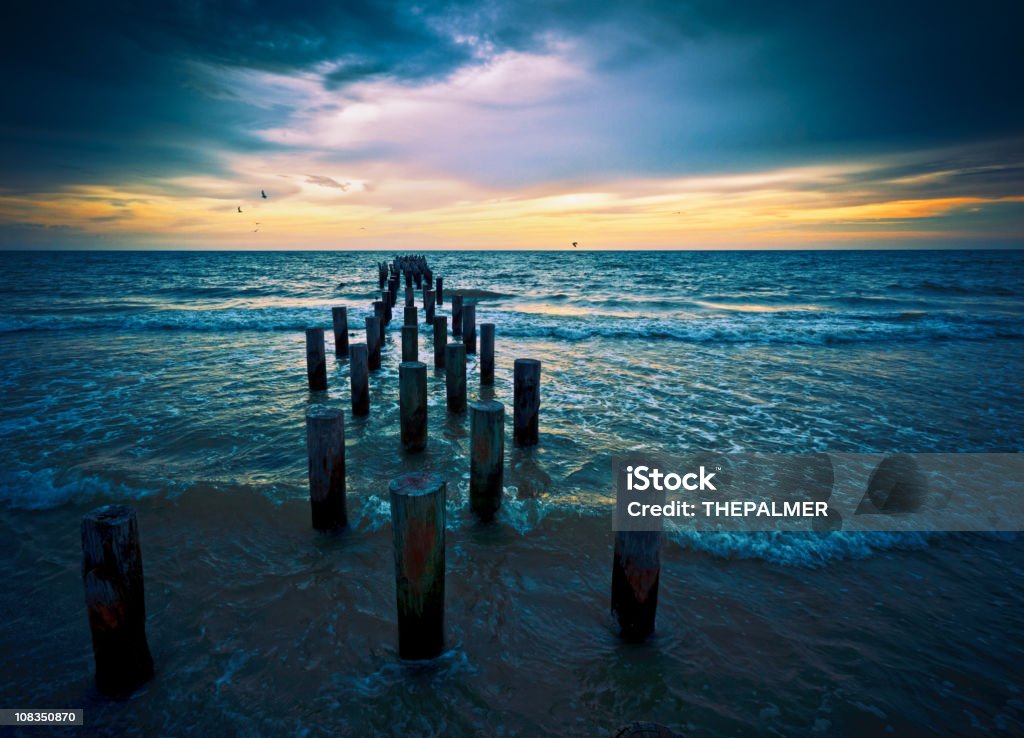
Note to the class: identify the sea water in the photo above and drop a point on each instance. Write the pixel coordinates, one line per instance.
(175, 382)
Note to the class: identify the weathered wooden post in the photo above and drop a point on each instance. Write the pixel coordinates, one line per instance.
(636, 569)
(410, 297)
(393, 290)
(325, 442)
(487, 457)
(428, 306)
(469, 327)
(440, 339)
(457, 315)
(486, 354)
(385, 297)
(412, 396)
(316, 360)
(382, 323)
(114, 598)
(339, 317)
(359, 378)
(373, 343)
(408, 280)
(410, 342)
(410, 316)
(417, 521)
(440, 290)
(526, 400)
(455, 376)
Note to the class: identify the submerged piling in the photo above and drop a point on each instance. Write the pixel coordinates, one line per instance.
(455, 376)
(487, 457)
(339, 317)
(440, 339)
(636, 569)
(325, 442)
(114, 598)
(469, 327)
(359, 379)
(410, 343)
(526, 400)
(417, 521)
(373, 343)
(412, 396)
(486, 354)
(316, 360)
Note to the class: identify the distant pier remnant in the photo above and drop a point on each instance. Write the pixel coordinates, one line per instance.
(410, 342)
(316, 360)
(440, 290)
(373, 342)
(440, 339)
(636, 569)
(418, 524)
(339, 317)
(325, 441)
(457, 315)
(486, 354)
(114, 599)
(526, 400)
(487, 457)
(469, 327)
(359, 379)
(455, 376)
(412, 395)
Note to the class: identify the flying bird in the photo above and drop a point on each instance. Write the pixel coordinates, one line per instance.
(574, 244)
(239, 208)
(264, 194)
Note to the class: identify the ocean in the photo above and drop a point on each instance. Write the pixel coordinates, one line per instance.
(176, 382)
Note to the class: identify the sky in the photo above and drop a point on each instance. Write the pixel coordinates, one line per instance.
(512, 124)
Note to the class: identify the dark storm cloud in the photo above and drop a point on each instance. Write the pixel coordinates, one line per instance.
(106, 91)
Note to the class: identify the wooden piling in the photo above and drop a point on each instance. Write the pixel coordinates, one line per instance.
(457, 315)
(486, 354)
(439, 289)
(636, 569)
(385, 297)
(373, 343)
(316, 360)
(526, 400)
(325, 442)
(115, 600)
(469, 327)
(440, 339)
(382, 323)
(428, 306)
(487, 457)
(410, 297)
(339, 317)
(418, 524)
(455, 376)
(393, 291)
(411, 315)
(412, 396)
(410, 342)
(359, 378)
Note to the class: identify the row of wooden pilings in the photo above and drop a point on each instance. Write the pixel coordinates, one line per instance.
(112, 561)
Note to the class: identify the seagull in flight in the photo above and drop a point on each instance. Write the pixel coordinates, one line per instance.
(574, 244)
(239, 208)
(264, 194)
